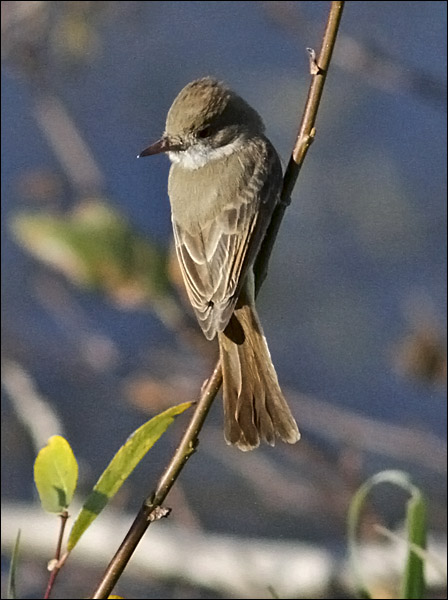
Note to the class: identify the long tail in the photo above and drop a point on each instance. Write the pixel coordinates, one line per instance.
(254, 406)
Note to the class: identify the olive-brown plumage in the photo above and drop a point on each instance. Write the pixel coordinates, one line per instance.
(224, 184)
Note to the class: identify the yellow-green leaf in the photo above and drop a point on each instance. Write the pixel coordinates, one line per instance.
(56, 474)
(120, 467)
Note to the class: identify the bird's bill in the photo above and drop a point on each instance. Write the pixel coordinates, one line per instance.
(158, 147)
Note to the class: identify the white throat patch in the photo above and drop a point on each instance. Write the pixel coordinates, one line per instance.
(200, 154)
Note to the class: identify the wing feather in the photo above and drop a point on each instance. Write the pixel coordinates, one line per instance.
(218, 248)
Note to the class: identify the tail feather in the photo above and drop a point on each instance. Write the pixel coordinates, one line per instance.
(254, 406)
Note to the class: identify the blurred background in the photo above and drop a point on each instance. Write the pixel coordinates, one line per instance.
(96, 333)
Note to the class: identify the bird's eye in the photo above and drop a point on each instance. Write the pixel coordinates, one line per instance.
(203, 133)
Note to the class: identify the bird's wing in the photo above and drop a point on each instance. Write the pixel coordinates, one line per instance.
(216, 257)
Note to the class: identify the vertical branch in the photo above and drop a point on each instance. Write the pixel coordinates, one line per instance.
(151, 508)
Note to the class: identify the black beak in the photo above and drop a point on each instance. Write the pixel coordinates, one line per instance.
(158, 147)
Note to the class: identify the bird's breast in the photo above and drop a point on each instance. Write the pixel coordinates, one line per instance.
(198, 196)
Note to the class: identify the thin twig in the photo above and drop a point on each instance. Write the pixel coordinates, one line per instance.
(55, 562)
(189, 440)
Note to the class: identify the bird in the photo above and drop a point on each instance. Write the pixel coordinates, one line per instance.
(224, 184)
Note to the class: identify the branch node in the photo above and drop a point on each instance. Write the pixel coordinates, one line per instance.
(314, 67)
(159, 512)
(52, 564)
(193, 445)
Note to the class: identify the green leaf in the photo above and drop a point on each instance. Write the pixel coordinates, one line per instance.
(12, 588)
(413, 581)
(120, 467)
(413, 585)
(56, 474)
